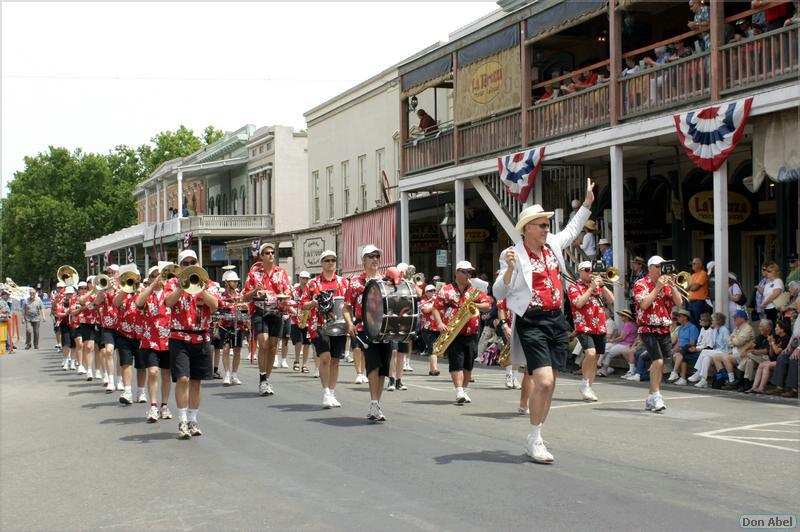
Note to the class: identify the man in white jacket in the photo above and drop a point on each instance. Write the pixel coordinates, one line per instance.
(530, 282)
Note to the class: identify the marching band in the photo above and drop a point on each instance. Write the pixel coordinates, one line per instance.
(176, 324)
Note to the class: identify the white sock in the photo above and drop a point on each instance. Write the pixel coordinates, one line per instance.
(459, 389)
(509, 370)
(227, 374)
(182, 414)
(536, 433)
(631, 367)
(234, 375)
(584, 382)
(731, 378)
(128, 389)
(326, 391)
(192, 414)
(373, 402)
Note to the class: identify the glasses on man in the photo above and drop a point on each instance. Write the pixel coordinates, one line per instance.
(328, 260)
(154, 275)
(267, 253)
(374, 256)
(542, 226)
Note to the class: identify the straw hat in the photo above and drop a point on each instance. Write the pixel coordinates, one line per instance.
(532, 213)
(591, 225)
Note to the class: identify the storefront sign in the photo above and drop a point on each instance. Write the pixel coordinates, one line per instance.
(432, 233)
(309, 246)
(488, 87)
(441, 258)
(701, 207)
(223, 254)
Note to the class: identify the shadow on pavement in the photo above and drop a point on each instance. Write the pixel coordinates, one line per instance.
(97, 405)
(236, 395)
(342, 421)
(498, 457)
(297, 407)
(147, 438)
(496, 415)
(431, 402)
(79, 392)
(122, 421)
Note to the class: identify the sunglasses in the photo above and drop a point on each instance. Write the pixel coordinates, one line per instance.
(154, 275)
(542, 226)
(188, 263)
(268, 253)
(586, 269)
(374, 256)
(328, 260)
(430, 291)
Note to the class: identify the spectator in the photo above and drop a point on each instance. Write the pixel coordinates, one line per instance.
(736, 299)
(631, 67)
(794, 268)
(687, 340)
(740, 342)
(758, 354)
(589, 241)
(638, 354)
(772, 289)
(576, 206)
(775, 16)
(548, 93)
(606, 253)
(427, 124)
(5, 316)
(784, 378)
(679, 52)
(706, 357)
(789, 310)
(33, 316)
(758, 291)
(617, 345)
(662, 56)
(701, 21)
(744, 29)
(795, 18)
(778, 342)
(698, 290)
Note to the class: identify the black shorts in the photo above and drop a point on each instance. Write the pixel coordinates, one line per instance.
(428, 339)
(377, 355)
(150, 358)
(593, 341)
(544, 339)
(70, 337)
(127, 348)
(191, 360)
(216, 341)
(87, 332)
(233, 337)
(658, 345)
(461, 353)
(402, 347)
(300, 335)
(286, 328)
(107, 337)
(64, 328)
(329, 344)
(267, 323)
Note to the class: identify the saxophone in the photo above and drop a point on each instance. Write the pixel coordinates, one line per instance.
(302, 323)
(466, 312)
(505, 355)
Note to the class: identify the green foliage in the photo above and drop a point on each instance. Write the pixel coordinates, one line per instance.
(63, 199)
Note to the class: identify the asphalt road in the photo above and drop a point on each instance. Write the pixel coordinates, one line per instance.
(72, 457)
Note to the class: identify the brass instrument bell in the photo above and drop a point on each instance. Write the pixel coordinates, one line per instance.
(129, 282)
(193, 279)
(102, 282)
(68, 275)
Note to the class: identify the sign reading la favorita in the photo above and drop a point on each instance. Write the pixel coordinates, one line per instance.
(711, 134)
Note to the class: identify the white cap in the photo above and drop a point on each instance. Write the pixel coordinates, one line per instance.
(152, 269)
(230, 275)
(90, 279)
(185, 254)
(304, 274)
(585, 264)
(60, 284)
(402, 266)
(82, 284)
(113, 267)
(370, 248)
(327, 253)
(229, 267)
(732, 277)
(655, 260)
(430, 287)
(576, 203)
(128, 268)
(163, 264)
(603, 241)
(264, 246)
(67, 290)
(463, 265)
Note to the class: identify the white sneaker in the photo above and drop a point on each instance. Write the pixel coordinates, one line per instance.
(109, 387)
(165, 413)
(466, 397)
(695, 377)
(461, 397)
(235, 381)
(126, 398)
(226, 381)
(635, 378)
(390, 387)
(648, 403)
(583, 386)
(517, 385)
(326, 401)
(358, 378)
(627, 376)
(120, 386)
(262, 388)
(537, 451)
(348, 357)
(72, 363)
(98, 374)
(407, 367)
(379, 414)
(142, 397)
(284, 364)
(673, 377)
(372, 413)
(702, 383)
(681, 382)
(599, 373)
(509, 382)
(658, 404)
(105, 379)
(65, 364)
(89, 375)
(81, 370)
(523, 411)
(334, 401)
(590, 395)
(152, 414)
(276, 363)
(316, 373)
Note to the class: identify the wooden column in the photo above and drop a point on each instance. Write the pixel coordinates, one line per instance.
(403, 130)
(615, 59)
(456, 140)
(721, 239)
(525, 89)
(717, 30)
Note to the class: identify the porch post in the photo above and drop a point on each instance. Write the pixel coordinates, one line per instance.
(615, 61)
(180, 193)
(146, 207)
(717, 29)
(456, 139)
(721, 239)
(200, 251)
(617, 224)
(403, 130)
(525, 97)
(405, 248)
(459, 196)
(159, 218)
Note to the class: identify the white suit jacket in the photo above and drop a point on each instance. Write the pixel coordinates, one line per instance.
(518, 293)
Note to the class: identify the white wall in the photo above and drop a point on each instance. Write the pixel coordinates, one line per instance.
(290, 180)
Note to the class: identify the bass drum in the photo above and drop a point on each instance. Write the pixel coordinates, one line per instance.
(390, 311)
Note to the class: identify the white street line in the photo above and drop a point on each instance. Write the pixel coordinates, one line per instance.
(759, 438)
(775, 430)
(584, 403)
(720, 435)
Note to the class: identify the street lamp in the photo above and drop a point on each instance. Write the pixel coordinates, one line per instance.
(448, 227)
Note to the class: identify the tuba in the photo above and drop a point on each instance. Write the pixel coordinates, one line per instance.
(193, 279)
(170, 271)
(102, 282)
(466, 312)
(129, 282)
(68, 275)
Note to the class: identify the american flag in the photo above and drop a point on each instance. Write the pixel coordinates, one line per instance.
(518, 171)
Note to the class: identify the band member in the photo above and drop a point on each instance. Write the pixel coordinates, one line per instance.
(232, 329)
(153, 352)
(266, 280)
(462, 351)
(88, 318)
(127, 337)
(530, 282)
(655, 296)
(104, 300)
(78, 318)
(428, 332)
(299, 335)
(586, 297)
(330, 349)
(190, 353)
(377, 355)
(67, 340)
(284, 337)
(59, 295)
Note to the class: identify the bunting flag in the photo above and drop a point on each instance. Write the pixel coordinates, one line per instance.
(709, 135)
(187, 240)
(106, 259)
(91, 264)
(518, 171)
(254, 247)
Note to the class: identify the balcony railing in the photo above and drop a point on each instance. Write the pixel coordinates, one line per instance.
(491, 135)
(759, 60)
(124, 237)
(568, 114)
(429, 152)
(162, 229)
(223, 223)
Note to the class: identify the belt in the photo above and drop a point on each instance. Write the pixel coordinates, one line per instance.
(538, 312)
(191, 331)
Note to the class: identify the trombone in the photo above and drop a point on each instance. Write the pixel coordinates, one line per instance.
(102, 282)
(680, 280)
(169, 271)
(610, 277)
(129, 282)
(193, 279)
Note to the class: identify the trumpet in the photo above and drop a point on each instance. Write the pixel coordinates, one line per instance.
(129, 282)
(102, 282)
(170, 271)
(193, 279)
(680, 280)
(68, 275)
(610, 276)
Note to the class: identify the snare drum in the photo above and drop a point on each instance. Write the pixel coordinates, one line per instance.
(390, 311)
(270, 304)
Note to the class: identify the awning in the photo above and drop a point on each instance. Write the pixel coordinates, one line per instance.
(497, 42)
(562, 16)
(426, 76)
(378, 227)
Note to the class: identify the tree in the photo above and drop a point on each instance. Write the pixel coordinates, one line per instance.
(212, 135)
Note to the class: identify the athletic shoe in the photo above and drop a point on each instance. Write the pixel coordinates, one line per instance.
(627, 376)
(348, 357)
(648, 403)
(466, 397)
(400, 386)
(89, 375)
(358, 378)
(538, 452)
(635, 378)
(658, 404)
(81, 370)
(673, 377)
(120, 386)
(509, 382)
(270, 390)
(165, 413)
(695, 377)
(334, 401)
(517, 384)
(583, 386)
(284, 364)
(109, 387)
(372, 413)
(71, 363)
(276, 363)
(57, 347)
(407, 367)
(183, 431)
(227, 380)
(98, 374)
(523, 411)
(681, 382)
(379, 414)
(262, 388)
(702, 383)
(217, 375)
(142, 397)
(194, 430)
(590, 395)
(390, 387)
(126, 398)
(316, 373)
(461, 397)
(326, 401)
(152, 414)
(105, 379)
(235, 381)
(65, 364)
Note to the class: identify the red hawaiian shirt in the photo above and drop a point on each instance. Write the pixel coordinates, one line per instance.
(426, 320)
(128, 317)
(108, 312)
(591, 318)
(62, 307)
(657, 318)
(447, 302)
(295, 302)
(546, 283)
(338, 286)
(155, 323)
(89, 314)
(190, 321)
(354, 294)
(277, 282)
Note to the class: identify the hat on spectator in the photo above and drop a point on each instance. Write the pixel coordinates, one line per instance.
(591, 225)
(627, 313)
(370, 248)
(638, 259)
(304, 275)
(740, 314)
(327, 253)
(683, 312)
(655, 260)
(585, 264)
(603, 241)
(530, 214)
(465, 265)
(732, 277)
(185, 254)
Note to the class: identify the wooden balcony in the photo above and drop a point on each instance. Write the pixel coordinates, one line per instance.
(491, 135)
(569, 114)
(432, 151)
(760, 60)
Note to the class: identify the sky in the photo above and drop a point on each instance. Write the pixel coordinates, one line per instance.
(95, 75)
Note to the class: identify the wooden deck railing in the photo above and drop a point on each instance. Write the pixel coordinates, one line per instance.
(567, 114)
(760, 59)
(429, 152)
(492, 135)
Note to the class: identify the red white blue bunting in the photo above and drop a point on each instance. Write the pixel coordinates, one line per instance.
(518, 171)
(711, 134)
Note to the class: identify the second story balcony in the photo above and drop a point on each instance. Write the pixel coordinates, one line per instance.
(211, 225)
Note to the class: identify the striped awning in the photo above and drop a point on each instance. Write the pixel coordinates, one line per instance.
(378, 227)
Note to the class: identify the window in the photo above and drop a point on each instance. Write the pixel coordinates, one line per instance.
(243, 195)
(269, 146)
(346, 187)
(380, 168)
(253, 152)
(261, 149)
(219, 204)
(315, 183)
(362, 182)
(224, 209)
(210, 205)
(329, 175)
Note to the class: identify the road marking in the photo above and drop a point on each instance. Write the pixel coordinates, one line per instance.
(585, 403)
(720, 434)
